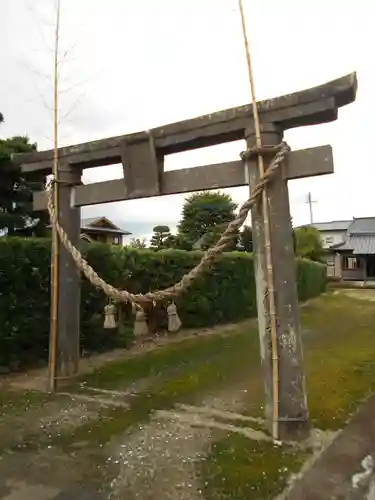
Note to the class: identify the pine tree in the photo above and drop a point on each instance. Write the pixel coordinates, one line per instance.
(161, 237)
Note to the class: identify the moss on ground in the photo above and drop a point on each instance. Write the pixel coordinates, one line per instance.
(238, 468)
(339, 357)
(166, 360)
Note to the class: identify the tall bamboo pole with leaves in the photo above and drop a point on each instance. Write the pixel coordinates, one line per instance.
(267, 237)
(55, 241)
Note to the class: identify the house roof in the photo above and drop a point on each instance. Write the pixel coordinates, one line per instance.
(362, 225)
(88, 221)
(88, 224)
(360, 237)
(359, 245)
(336, 225)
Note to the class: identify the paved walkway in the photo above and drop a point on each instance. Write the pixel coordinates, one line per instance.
(341, 472)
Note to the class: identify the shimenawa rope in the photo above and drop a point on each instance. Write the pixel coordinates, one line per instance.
(280, 151)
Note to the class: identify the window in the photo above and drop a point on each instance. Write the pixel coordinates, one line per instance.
(330, 260)
(116, 240)
(351, 263)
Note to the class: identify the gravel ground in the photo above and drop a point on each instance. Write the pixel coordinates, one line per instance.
(158, 460)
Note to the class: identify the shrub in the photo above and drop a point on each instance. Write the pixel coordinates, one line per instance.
(312, 279)
(225, 294)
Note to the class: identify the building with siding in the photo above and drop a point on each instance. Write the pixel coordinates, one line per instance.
(350, 248)
(356, 254)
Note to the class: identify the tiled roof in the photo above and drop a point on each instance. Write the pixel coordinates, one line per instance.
(86, 224)
(88, 221)
(336, 225)
(359, 245)
(363, 225)
(360, 234)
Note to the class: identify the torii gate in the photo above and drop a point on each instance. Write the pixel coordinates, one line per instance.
(142, 156)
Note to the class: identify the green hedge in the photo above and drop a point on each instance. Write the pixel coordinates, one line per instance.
(312, 279)
(226, 294)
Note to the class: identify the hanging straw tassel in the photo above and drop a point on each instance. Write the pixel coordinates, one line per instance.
(140, 324)
(110, 316)
(174, 322)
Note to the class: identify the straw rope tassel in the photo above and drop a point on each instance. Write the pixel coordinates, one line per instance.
(140, 323)
(110, 316)
(269, 269)
(174, 322)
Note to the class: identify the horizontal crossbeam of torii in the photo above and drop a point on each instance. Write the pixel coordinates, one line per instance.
(308, 107)
(142, 156)
(142, 153)
(303, 163)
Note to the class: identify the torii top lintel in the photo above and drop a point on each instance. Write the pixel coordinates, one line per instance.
(307, 107)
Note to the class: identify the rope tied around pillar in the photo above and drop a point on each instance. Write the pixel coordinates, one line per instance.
(279, 152)
(251, 153)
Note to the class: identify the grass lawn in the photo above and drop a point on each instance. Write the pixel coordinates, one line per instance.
(339, 352)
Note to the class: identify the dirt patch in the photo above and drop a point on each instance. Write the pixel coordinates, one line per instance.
(40, 424)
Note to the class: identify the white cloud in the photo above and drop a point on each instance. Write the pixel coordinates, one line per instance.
(137, 64)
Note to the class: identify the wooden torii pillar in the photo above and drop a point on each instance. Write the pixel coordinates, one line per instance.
(142, 154)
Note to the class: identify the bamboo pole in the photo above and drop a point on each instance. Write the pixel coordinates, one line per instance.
(55, 241)
(267, 237)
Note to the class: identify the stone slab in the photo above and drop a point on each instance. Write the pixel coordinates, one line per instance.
(332, 474)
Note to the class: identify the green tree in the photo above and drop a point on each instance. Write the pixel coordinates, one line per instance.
(202, 212)
(161, 237)
(17, 217)
(308, 243)
(137, 243)
(180, 242)
(210, 239)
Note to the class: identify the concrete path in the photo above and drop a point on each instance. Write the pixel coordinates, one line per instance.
(346, 470)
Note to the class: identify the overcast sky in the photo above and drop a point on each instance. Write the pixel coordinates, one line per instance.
(130, 65)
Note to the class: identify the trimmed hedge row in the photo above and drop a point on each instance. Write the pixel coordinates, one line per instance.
(225, 294)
